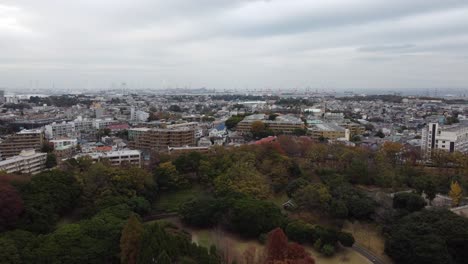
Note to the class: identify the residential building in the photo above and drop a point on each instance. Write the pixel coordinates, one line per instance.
(116, 158)
(60, 143)
(103, 123)
(450, 138)
(23, 140)
(282, 124)
(160, 139)
(137, 131)
(28, 161)
(60, 130)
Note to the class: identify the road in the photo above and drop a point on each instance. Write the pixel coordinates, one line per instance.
(369, 255)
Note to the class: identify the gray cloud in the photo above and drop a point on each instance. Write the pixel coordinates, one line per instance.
(234, 43)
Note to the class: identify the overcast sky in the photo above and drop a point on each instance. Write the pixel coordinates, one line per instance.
(226, 44)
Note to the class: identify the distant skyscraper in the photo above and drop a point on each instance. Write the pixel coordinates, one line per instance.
(2, 96)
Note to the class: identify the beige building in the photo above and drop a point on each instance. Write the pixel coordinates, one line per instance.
(160, 139)
(23, 140)
(284, 124)
(116, 158)
(28, 161)
(328, 131)
(354, 129)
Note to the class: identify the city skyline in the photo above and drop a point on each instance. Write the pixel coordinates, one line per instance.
(339, 45)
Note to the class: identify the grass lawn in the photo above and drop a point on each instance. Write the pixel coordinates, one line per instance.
(369, 236)
(170, 201)
(233, 245)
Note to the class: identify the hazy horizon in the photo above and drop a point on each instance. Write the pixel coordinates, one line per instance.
(371, 45)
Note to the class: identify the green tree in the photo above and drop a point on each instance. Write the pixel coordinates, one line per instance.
(299, 231)
(169, 178)
(409, 201)
(346, 239)
(163, 258)
(200, 212)
(9, 253)
(428, 236)
(243, 178)
(130, 241)
(339, 209)
(51, 160)
(313, 196)
(251, 217)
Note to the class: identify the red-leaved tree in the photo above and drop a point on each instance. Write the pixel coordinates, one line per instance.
(11, 205)
(279, 251)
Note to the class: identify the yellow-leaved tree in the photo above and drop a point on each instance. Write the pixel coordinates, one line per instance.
(456, 193)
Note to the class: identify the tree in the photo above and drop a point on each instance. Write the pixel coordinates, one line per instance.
(299, 231)
(409, 201)
(346, 239)
(276, 246)
(163, 258)
(279, 250)
(380, 134)
(48, 195)
(294, 185)
(200, 212)
(175, 108)
(169, 178)
(51, 160)
(338, 209)
(251, 218)
(130, 241)
(456, 193)
(233, 121)
(11, 205)
(259, 129)
(243, 178)
(313, 196)
(9, 253)
(428, 236)
(328, 250)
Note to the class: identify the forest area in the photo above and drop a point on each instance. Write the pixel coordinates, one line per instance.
(287, 195)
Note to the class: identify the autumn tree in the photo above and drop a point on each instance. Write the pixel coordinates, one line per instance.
(313, 196)
(11, 205)
(130, 240)
(279, 250)
(456, 193)
(243, 178)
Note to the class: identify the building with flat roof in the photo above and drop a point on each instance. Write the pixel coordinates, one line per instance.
(442, 137)
(159, 139)
(60, 130)
(328, 131)
(283, 124)
(116, 158)
(23, 140)
(28, 161)
(137, 131)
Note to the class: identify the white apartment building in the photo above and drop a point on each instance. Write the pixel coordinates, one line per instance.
(83, 126)
(28, 161)
(62, 143)
(116, 158)
(59, 130)
(449, 138)
(103, 123)
(138, 115)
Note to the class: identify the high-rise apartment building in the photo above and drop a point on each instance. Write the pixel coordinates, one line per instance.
(23, 140)
(441, 137)
(160, 139)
